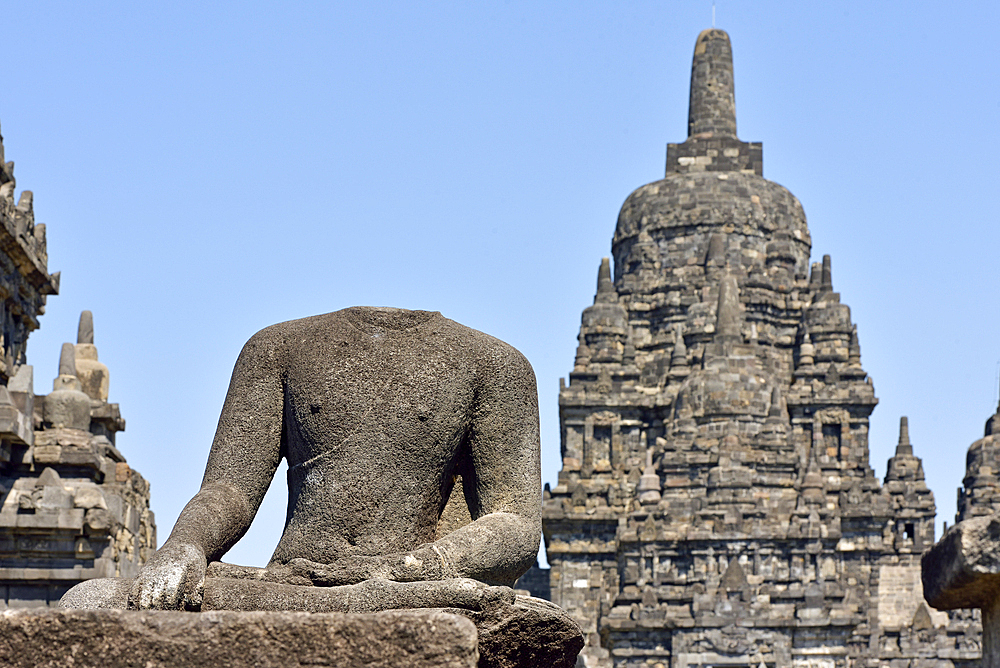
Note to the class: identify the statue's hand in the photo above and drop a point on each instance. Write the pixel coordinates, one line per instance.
(173, 579)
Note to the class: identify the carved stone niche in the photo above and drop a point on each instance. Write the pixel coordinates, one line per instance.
(600, 436)
(831, 430)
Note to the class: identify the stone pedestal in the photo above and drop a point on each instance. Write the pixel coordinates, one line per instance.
(115, 639)
(522, 632)
(963, 571)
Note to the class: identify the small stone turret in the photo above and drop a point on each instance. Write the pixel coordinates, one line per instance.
(826, 277)
(807, 352)
(93, 375)
(854, 350)
(980, 494)
(679, 365)
(67, 407)
(910, 500)
(604, 326)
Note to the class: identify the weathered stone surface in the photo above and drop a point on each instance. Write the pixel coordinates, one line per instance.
(521, 633)
(249, 594)
(963, 569)
(530, 632)
(163, 639)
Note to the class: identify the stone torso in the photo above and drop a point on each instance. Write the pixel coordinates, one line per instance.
(373, 428)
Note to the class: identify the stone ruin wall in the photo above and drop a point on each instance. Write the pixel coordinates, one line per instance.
(71, 508)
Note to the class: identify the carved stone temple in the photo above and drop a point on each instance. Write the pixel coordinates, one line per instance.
(71, 509)
(716, 504)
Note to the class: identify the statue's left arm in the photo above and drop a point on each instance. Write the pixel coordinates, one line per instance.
(244, 456)
(502, 478)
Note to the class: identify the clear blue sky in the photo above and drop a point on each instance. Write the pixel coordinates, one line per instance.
(207, 169)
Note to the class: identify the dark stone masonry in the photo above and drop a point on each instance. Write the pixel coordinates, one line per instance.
(716, 505)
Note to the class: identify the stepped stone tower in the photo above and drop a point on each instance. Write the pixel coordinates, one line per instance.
(980, 494)
(71, 509)
(716, 505)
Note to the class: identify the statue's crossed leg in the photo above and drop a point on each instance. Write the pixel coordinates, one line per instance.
(229, 587)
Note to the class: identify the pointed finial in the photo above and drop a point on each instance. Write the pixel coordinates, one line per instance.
(67, 360)
(679, 355)
(827, 285)
(727, 315)
(815, 276)
(993, 423)
(904, 447)
(605, 286)
(85, 332)
(854, 349)
(713, 104)
(604, 273)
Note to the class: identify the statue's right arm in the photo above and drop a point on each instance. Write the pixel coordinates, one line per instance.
(244, 456)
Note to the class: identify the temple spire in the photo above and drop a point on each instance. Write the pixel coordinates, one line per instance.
(904, 447)
(713, 102)
(826, 284)
(85, 331)
(605, 286)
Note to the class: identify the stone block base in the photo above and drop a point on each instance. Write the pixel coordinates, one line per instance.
(221, 639)
(528, 634)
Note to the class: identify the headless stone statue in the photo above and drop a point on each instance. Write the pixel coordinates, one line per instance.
(378, 412)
